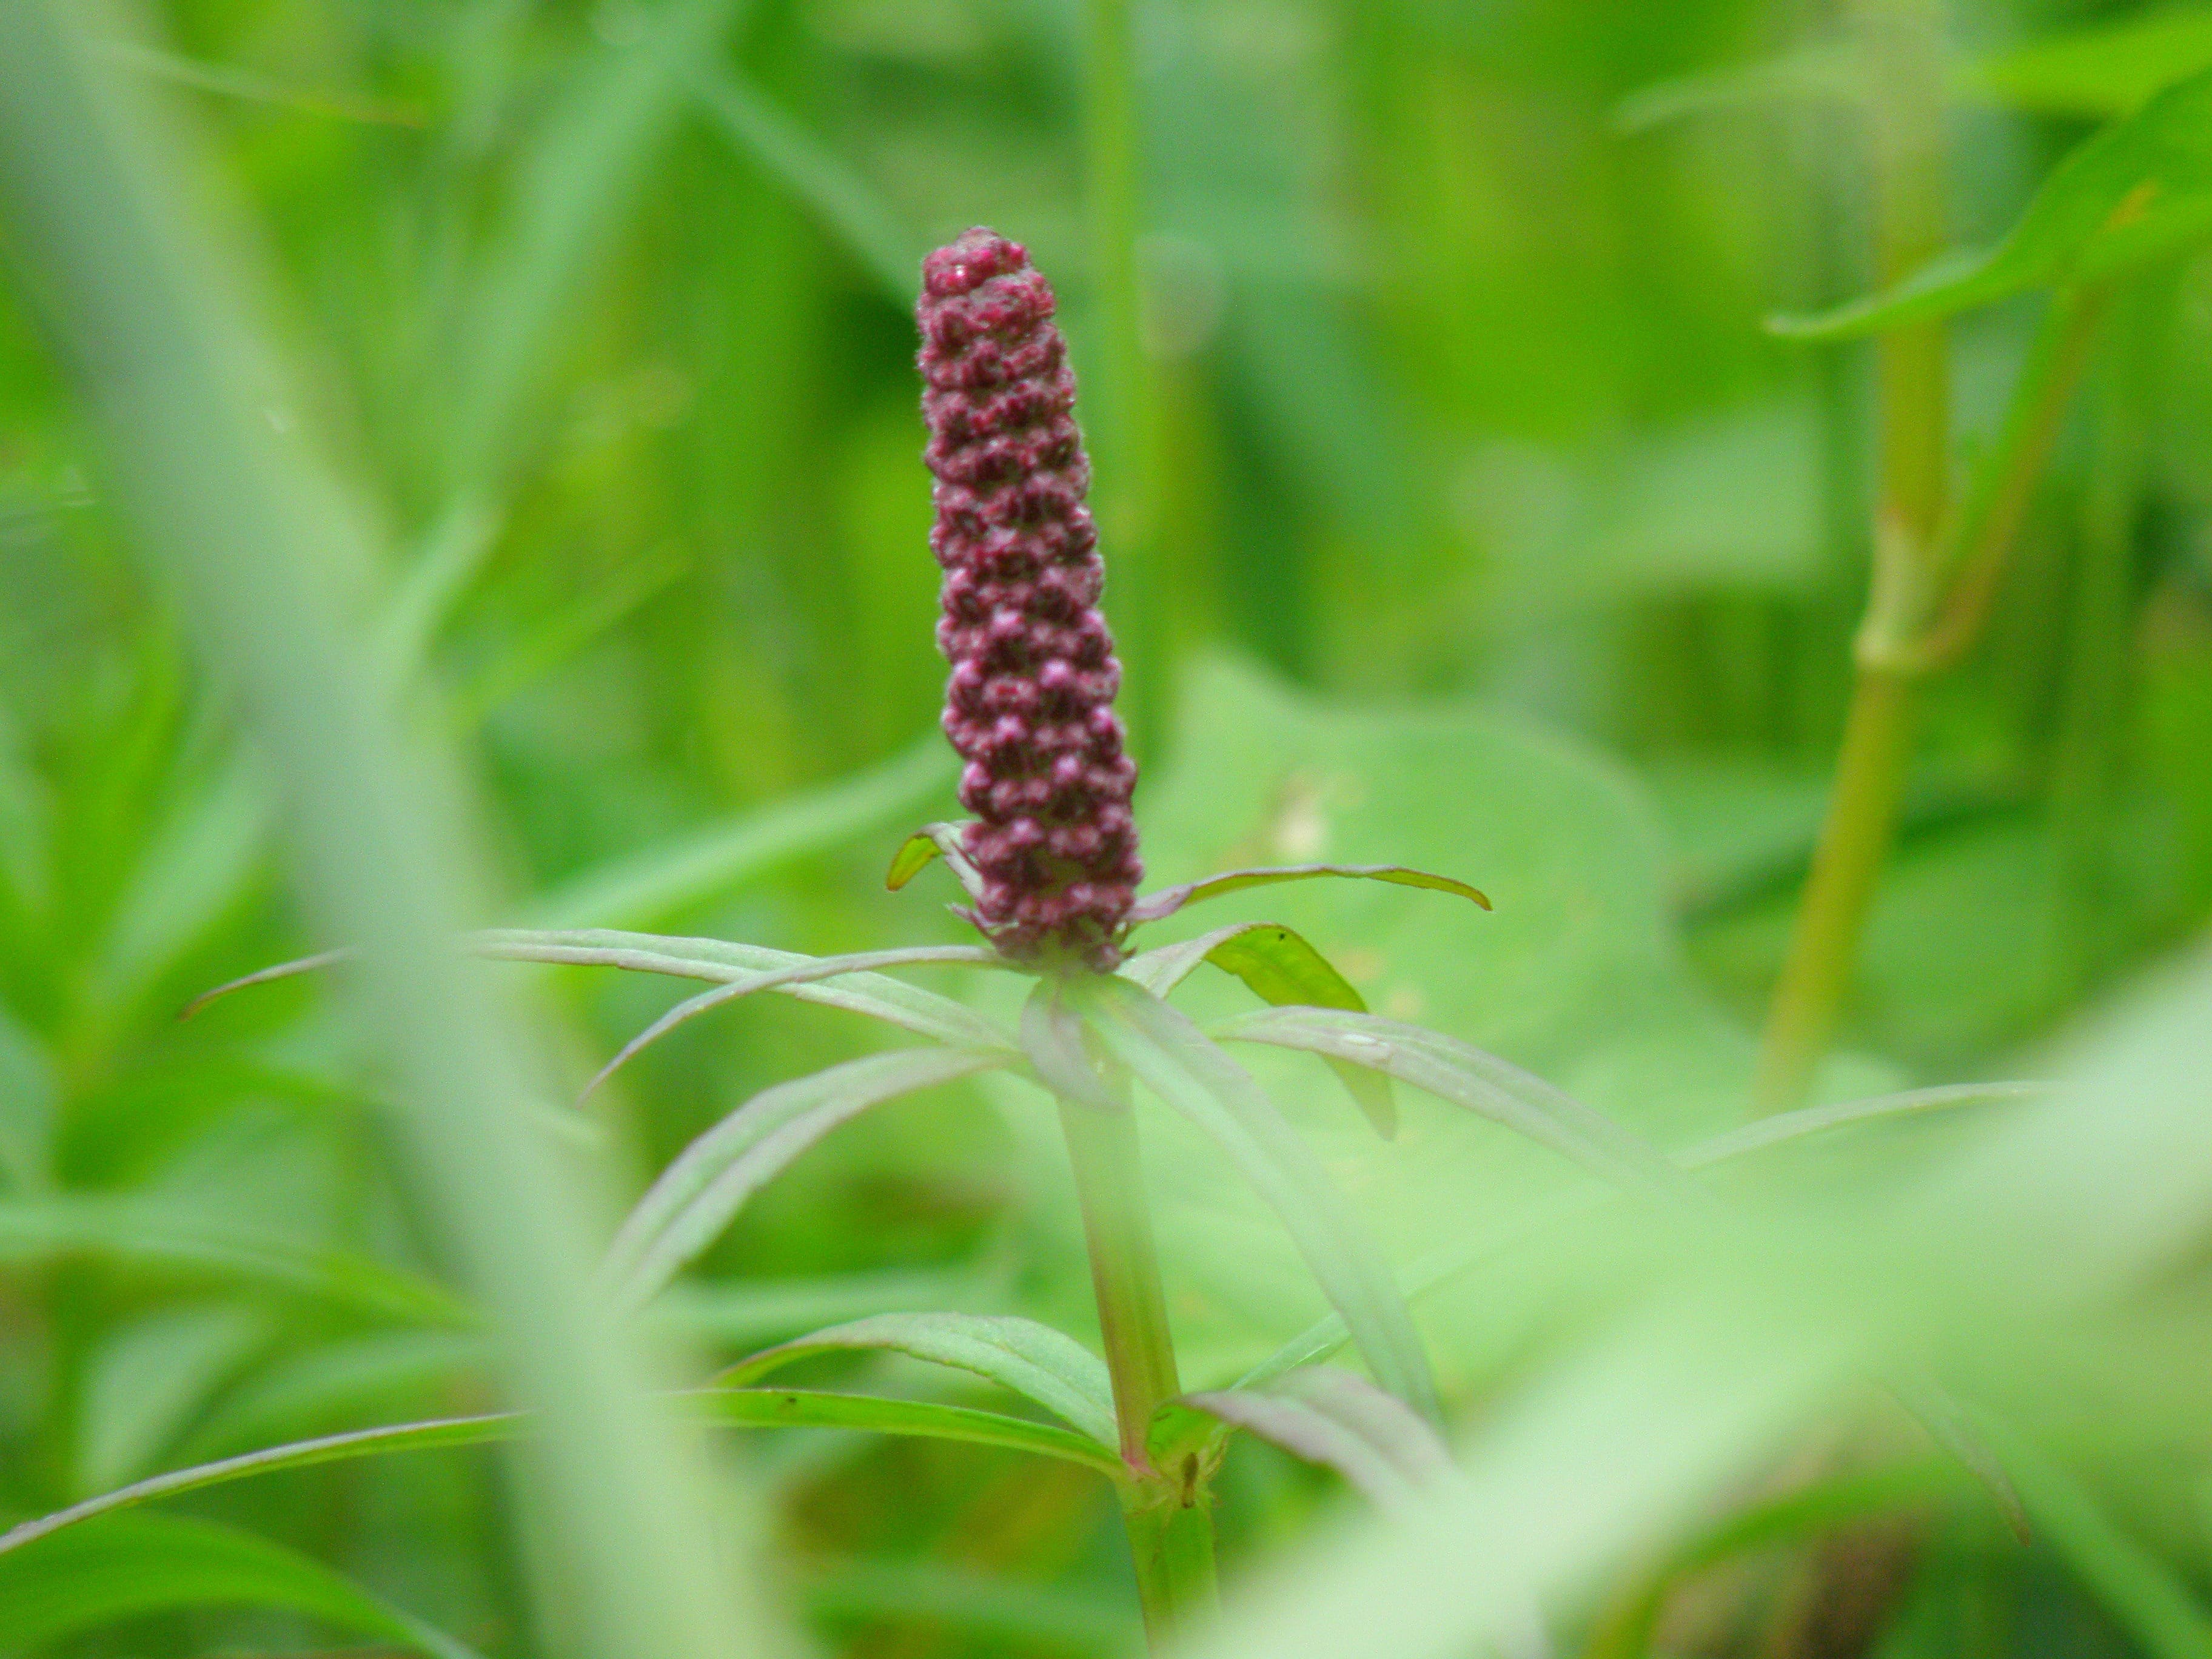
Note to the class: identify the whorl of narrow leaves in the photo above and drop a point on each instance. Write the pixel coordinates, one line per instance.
(1030, 704)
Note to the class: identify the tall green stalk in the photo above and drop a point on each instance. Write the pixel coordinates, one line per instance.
(1903, 44)
(266, 552)
(1168, 1512)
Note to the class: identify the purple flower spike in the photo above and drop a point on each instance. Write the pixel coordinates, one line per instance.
(1029, 705)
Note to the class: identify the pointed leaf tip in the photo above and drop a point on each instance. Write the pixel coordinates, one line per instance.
(1171, 900)
(915, 853)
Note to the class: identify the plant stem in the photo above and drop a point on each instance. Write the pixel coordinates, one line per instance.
(1167, 1512)
(1905, 56)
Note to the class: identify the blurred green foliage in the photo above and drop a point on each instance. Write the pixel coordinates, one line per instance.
(1495, 536)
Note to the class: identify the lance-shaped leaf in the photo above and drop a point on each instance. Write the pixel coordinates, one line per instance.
(923, 848)
(1034, 1360)
(1469, 1077)
(1343, 1422)
(1052, 1037)
(974, 955)
(1170, 900)
(298, 1454)
(772, 1408)
(1326, 1335)
(131, 1566)
(696, 1196)
(50, 1228)
(722, 961)
(1282, 967)
(1195, 1078)
(2141, 188)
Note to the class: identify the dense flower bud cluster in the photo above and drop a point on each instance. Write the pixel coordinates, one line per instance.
(1029, 705)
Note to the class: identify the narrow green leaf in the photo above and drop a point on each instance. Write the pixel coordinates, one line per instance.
(2144, 1596)
(1343, 1422)
(708, 1182)
(1281, 967)
(1326, 1335)
(1188, 1072)
(1167, 902)
(298, 1454)
(1468, 1077)
(1830, 72)
(802, 972)
(646, 886)
(133, 1230)
(769, 1408)
(2141, 188)
(144, 1380)
(1052, 1037)
(722, 961)
(1034, 1360)
(132, 1564)
(2109, 70)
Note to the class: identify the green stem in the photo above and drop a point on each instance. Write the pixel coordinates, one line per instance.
(1905, 48)
(1167, 1512)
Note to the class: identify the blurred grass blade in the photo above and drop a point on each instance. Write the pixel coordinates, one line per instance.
(1785, 1126)
(59, 1227)
(2139, 189)
(1280, 967)
(698, 1195)
(844, 203)
(2144, 1596)
(769, 1408)
(1034, 1360)
(1190, 1074)
(2104, 69)
(131, 1566)
(578, 185)
(1468, 1077)
(648, 886)
(1830, 72)
(1342, 1422)
(143, 1380)
(323, 1389)
(231, 81)
(799, 973)
(298, 1454)
(206, 441)
(1170, 900)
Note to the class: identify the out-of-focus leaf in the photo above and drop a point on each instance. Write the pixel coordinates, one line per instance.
(873, 995)
(843, 202)
(698, 1194)
(54, 1228)
(1829, 72)
(2141, 188)
(1167, 902)
(1052, 1037)
(769, 1408)
(27, 1093)
(132, 1564)
(1467, 1076)
(802, 972)
(142, 1381)
(2143, 1594)
(2107, 70)
(297, 1455)
(647, 886)
(1032, 1359)
(384, 1374)
(577, 182)
(1191, 1075)
(1343, 1422)
(232, 82)
(739, 1315)
(1038, 1617)
(195, 867)
(1280, 967)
